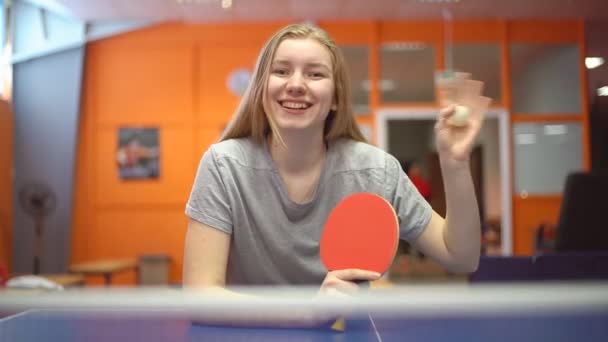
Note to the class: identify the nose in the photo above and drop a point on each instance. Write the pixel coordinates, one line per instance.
(296, 84)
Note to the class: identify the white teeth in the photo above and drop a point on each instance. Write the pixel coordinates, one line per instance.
(295, 105)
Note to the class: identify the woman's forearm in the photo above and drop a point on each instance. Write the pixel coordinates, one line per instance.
(289, 317)
(462, 231)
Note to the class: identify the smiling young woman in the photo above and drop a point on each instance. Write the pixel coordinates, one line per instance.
(292, 152)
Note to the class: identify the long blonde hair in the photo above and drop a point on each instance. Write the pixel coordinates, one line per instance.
(250, 119)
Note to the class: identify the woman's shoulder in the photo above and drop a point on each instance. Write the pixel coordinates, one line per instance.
(229, 147)
(359, 146)
(243, 151)
(361, 155)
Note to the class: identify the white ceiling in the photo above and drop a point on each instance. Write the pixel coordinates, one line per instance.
(258, 10)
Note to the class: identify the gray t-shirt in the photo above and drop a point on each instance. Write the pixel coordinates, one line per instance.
(275, 241)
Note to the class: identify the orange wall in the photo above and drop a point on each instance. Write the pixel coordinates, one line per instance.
(6, 184)
(173, 76)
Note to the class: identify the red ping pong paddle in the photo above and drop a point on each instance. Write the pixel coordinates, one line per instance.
(361, 232)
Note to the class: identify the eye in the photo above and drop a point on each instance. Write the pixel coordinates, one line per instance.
(280, 71)
(317, 75)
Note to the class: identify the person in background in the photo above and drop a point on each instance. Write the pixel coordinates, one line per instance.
(414, 172)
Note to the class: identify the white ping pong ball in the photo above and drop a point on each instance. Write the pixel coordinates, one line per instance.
(460, 116)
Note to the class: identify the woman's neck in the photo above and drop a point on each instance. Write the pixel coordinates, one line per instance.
(300, 154)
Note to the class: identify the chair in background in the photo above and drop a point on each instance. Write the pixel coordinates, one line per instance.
(582, 223)
(576, 248)
(153, 270)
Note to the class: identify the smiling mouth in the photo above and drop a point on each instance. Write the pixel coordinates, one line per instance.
(295, 105)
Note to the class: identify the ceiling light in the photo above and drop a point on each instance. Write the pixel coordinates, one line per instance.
(226, 4)
(525, 139)
(593, 62)
(555, 129)
(603, 91)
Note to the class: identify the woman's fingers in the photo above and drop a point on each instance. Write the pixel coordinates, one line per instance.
(462, 75)
(343, 281)
(469, 92)
(340, 287)
(444, 116)
(356, 274)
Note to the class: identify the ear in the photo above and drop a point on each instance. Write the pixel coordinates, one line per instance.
(334, 107)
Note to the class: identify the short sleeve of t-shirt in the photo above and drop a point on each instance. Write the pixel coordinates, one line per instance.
(413, 211)
(209, 202)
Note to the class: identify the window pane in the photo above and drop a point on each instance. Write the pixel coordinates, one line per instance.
(545, 78)
(357, 61)
(407, 72)
(468, 57)
(545, 153)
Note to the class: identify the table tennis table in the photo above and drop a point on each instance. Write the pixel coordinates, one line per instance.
(35, 326)
(421, 319)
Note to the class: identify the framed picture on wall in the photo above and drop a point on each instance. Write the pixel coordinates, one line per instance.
(137, 155)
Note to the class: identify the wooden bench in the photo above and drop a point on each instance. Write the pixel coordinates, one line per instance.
(105, 268)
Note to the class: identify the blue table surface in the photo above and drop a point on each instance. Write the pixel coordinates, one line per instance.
(67, 327)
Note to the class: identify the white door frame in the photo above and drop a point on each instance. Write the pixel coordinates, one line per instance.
(383, 115)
